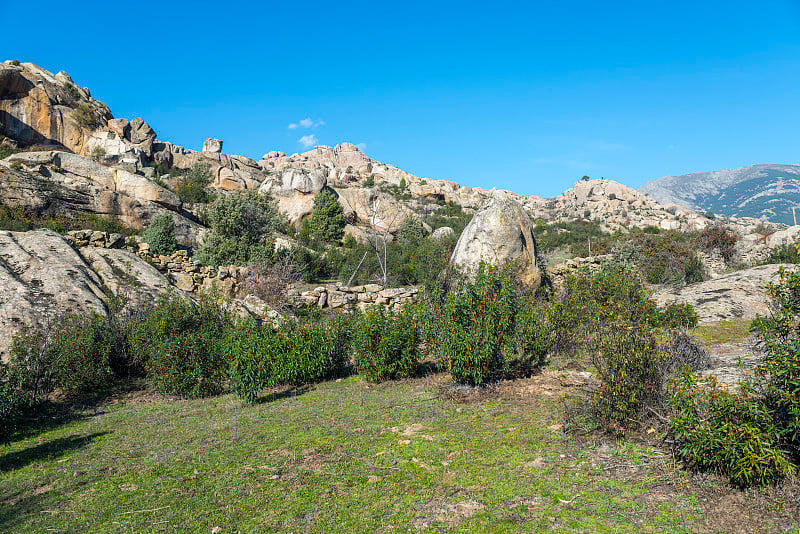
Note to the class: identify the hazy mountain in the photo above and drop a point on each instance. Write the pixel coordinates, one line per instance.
(761, 191)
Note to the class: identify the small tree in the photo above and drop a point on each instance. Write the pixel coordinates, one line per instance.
(326, 222)
(241, 226)
(192, 187)
(160, 235)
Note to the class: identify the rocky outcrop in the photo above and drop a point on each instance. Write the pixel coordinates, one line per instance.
(500, 231)
(294, 189)
(346, 166)
(212, 145)
(373, 208)
(62, 184)
(230, 172)
(737, 295)
(614, 206)
(41, 277)
(127, 275)
(39, 108)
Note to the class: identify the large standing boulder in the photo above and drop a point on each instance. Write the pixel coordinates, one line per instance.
(500, 231)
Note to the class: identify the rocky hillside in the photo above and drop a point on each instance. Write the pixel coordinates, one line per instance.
(765, 192)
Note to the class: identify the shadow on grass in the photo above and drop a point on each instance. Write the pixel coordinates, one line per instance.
(13, 508)
(285, 394)
(52, 414)
(45, 451)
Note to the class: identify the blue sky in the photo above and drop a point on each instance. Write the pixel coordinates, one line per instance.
(527, 96)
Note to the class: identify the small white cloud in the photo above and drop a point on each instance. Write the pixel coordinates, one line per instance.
(308, 140)
(673, 147)
(361, 146)
(308, 122)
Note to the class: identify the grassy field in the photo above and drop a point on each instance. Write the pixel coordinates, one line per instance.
(350, 456)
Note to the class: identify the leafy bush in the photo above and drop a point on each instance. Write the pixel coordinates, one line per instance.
(733, 433)
(787, 253)
(179, 346)
(12, 403)
(6, 151)
(98, 153)
(72, 354)
(575, 234)
(84, 115)
(718, 237)
(191, 186)
(750, 435)
(160, 235)
(241, 226)
(411, 231)
(82, 352)
(292, 354)
(385, 344)
(476, 328)
(326, 222)
(72, 91)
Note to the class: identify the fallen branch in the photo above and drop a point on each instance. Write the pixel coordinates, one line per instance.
(572, 500)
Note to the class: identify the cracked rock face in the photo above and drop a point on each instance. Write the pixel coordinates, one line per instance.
(41, 277)
(500, 231)
(736, 295)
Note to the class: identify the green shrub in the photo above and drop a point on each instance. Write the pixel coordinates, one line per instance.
(98, 153)
(241, 228)
(16, 165)
(750, 435)
(476, 328)
(720, 238)
(179, 346)
(629, 362)
(84, 115)
(191, 187)
(82, 352)
(6, 151)
(733, 433)
(72, 354)
(787, 253)
(72, 91)
(385, 344)
(263, 356)
(12, 403)
(160, 235)
(411, 231)
(326, 222)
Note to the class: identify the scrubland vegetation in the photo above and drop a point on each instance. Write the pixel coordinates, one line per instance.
(484, 333)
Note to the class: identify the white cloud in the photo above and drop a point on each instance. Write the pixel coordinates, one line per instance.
(308, 140)
(308, 122)
(361, 146)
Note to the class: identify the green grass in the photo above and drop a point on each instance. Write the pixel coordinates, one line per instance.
(344, 456)
(723, 332)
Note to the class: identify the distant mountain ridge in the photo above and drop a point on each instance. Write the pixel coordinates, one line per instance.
(761, 191)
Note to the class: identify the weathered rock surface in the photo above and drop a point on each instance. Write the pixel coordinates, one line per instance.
(212, 145)
(38, 108)
(294, 189)
(373, 208)
(42, 277)
(737, 295)
(500, 231)
(62, 184)
(126, 274)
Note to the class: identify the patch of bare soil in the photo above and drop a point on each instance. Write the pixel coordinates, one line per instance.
(449, 513)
